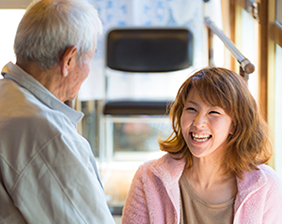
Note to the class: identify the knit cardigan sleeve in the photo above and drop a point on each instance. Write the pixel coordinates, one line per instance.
(264, 204)
(154, 193)
(135, 210)
(273, 203)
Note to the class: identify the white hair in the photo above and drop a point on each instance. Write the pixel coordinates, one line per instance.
(49, 27)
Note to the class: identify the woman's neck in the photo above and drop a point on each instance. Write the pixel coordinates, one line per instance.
(210, 182)
(205, 172)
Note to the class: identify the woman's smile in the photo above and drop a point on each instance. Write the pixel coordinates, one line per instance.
(200, 137)
(205, 127)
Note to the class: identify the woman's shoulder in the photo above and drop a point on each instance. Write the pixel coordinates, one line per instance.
(167, 168)
(164, 162)
(271, 175)
(148, 165)
(263, 177)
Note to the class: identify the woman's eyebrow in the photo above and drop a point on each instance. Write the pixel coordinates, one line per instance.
(192, 102)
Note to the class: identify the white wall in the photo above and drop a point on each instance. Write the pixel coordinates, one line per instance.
(14, 4)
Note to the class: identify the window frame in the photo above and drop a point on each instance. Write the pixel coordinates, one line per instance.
(269, 34)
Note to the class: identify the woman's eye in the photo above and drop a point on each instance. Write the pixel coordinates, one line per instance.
(214, 112)
(190, 109)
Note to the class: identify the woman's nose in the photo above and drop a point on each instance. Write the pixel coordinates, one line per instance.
(200, 121)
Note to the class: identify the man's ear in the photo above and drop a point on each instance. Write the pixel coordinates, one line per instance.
(68, 60)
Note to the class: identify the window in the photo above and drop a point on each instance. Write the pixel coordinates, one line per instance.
(279, 11)
(267, 52)
(274, 44)
(249, 42)
(8, 30)
(278, 111)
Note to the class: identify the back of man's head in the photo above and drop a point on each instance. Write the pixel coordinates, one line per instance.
(49, 27)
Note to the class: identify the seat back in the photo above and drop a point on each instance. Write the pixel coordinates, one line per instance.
(149, 50)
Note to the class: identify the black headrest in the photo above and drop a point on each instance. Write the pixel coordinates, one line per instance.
(149, 49)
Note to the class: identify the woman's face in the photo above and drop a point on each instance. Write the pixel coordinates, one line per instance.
(205, 127)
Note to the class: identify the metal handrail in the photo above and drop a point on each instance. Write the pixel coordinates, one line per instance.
(245, 64)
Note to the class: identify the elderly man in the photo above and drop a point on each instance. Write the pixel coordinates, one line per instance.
(48, 173)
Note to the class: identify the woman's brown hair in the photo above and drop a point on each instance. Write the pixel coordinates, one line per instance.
(249, 145)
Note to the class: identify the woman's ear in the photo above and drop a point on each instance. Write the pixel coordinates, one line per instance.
(68, 60)
(232, 129)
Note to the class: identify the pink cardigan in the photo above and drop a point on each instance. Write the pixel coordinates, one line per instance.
(154, 195)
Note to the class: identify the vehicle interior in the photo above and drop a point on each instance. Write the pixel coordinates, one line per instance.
(147, 49)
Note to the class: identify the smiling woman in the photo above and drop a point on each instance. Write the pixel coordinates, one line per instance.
(215, 158)
(223, 92)
(205, 127)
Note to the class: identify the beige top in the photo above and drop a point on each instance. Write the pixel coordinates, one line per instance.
(194, 210)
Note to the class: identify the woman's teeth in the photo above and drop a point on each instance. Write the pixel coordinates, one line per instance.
(200, 137)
